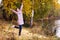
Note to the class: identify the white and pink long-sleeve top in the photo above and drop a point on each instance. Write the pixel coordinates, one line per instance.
(20, 18)
(20, 15)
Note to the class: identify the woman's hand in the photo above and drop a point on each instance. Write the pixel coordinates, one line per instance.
(18, 10)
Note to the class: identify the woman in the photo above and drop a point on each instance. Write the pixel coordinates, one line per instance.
(20, 17)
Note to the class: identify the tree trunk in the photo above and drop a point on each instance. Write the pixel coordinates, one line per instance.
(31, 21)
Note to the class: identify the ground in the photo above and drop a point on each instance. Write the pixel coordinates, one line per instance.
(9, 33)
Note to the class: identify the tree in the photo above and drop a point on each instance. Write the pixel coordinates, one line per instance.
(42, 7)
(7, 5)
(27, 7)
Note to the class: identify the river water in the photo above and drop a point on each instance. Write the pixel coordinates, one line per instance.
(52, 26)
(57, 26)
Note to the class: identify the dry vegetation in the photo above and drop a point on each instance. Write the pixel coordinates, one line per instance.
(8, 33)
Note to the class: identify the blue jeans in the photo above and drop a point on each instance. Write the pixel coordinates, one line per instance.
(20, 29)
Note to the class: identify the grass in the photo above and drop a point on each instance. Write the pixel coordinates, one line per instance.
(6, 35)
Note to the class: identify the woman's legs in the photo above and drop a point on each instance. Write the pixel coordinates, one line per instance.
(16, 27)
(20, 29)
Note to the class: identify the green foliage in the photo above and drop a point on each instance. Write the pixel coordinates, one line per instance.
(42, 7)
(10, 4)
(13, 4)
(27, 7)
